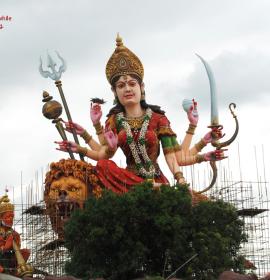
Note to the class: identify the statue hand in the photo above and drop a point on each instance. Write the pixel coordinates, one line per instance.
(72, 125)
(66, 146)
(111, 139)
(213, 135)
(215, 155)
(181, 181)
(95, 113)
(192, 113)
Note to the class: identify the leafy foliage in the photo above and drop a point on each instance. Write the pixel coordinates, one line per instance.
(149, 232)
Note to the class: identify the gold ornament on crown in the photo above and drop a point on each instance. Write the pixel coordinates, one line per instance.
(5, 204)
(123, 62)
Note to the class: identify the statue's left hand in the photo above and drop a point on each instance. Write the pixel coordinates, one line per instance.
(213, 135)
(192, 113)
(215, 155)
(66, 146)
(111, 139)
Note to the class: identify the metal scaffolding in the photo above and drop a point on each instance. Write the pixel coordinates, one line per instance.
(252, 203)
(48, 254)
(251, 200)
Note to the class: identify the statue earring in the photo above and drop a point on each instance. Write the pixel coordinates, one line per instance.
(115, 101)
(143, 95)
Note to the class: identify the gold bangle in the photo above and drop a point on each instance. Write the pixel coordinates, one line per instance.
(200, 145)
(178, 175)
(86, 136)
(103, 142)
(109, 152)
(99, 128)
(200, 158)
(191, 129)
(82, 150)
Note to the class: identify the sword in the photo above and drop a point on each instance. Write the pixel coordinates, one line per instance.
(214, 122)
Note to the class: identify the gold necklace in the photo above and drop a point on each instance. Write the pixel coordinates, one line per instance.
(135, 122)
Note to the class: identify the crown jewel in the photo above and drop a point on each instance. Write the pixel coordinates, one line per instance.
(123, 62)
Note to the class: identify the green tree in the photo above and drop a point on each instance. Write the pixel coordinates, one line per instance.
(216, 233)
(146, 231)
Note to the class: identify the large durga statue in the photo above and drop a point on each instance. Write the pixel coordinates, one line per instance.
(133, 125)
(137, 128)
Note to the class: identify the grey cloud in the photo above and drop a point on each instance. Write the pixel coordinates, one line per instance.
(84, 32)
(165, 35)
(240, 78)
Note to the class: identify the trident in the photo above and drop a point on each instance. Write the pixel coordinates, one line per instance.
(56, 75)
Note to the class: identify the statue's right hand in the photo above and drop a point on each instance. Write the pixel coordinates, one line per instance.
(66, 146)
(70, 126)
(95, 113)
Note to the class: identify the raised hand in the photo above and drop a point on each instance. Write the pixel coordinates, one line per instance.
(111, 139)
(213, 135)
(66, 146)
(215, 155)
(95, 113)
(192, 113)
(72, 125)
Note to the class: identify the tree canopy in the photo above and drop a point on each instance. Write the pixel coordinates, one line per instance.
(151, 232)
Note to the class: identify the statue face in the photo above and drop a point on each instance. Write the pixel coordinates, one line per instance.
(128, 90)
(7, 218)
(68, 188)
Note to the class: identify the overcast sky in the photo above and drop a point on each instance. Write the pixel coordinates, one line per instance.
(233, 36)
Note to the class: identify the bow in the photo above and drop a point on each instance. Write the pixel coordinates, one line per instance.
(214, 123)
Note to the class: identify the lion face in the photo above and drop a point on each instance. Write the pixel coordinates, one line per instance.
(65, 195)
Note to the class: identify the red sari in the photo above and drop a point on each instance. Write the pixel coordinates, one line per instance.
(120, 180)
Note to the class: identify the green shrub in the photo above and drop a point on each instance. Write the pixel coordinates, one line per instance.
(148, 232)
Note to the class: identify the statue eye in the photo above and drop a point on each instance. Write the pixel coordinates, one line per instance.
(120, 85)
(54, 190)
(72, 189)
(132, 83)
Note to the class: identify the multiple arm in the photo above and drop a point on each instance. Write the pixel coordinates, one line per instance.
(105, 151)
(107, 145)
(174, 155)
(189, 156)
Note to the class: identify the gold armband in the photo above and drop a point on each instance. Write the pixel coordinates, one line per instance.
(178, 175)
(200, 158)
(191, 129)
(109, 152)
(99, 128)
(82, 150)
(200, 145)
(86, 136)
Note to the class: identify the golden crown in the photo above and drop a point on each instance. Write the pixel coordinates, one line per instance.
(5, 204)
(123, 62)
